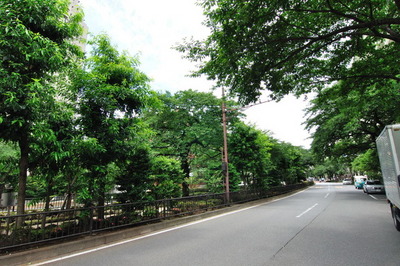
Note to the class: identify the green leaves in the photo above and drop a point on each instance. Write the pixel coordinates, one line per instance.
(249, 153)
(34, 47)
(348, 117)
(8, 163)
(112, 91)
(166, 175)
(32, 50)
(188, 127)
(294, 46)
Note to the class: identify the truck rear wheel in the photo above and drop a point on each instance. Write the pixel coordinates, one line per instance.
(396, 217)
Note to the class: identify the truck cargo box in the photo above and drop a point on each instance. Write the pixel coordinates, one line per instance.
(388, 145)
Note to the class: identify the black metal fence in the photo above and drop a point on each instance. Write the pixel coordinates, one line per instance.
(38, 227)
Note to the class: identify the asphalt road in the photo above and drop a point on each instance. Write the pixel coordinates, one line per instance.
(327, 224)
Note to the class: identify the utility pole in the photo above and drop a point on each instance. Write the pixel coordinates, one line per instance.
(225, 168)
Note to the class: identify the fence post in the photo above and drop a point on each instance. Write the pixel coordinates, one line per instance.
(8, 223)
(91, 211)
(44, 217)
(164, 208)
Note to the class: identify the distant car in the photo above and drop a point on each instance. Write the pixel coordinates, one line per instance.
(373, 186)
(347, 181)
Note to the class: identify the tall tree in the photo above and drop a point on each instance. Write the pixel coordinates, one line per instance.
(54, 149)
(249, 152)
(295, 46)
(347, 118)
(188, 126)
(331, 167)
(35, 43)
(112, 91)
(290, 164)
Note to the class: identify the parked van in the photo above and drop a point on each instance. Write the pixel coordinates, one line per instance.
(359, 181)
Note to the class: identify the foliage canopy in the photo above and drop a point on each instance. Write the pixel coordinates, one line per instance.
(296, 46)
(35, 43)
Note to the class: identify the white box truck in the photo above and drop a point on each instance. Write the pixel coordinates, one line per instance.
(388, 144)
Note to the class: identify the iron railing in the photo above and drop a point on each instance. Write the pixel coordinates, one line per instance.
(38, 227)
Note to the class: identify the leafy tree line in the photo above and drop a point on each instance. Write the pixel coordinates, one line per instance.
(345, 52)
(76, 125)
(289, 46)
(33, 48)
(188, 127)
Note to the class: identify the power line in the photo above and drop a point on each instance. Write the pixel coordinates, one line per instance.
(247, 106)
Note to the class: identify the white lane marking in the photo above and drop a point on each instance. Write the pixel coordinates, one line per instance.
(141, 237)
(327, 195)
(309, 209)
(159, 232)
(373, 197)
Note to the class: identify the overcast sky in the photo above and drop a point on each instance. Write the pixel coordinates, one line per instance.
(150, 28)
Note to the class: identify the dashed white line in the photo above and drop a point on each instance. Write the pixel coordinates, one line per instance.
(158, 232)
(309, 209)
(327, 195)
(373, 197)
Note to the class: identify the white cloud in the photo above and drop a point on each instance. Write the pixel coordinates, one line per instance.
(150, 28)
(283, 119)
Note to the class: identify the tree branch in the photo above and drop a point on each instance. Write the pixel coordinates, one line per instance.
(372, 76)
(296, 26)
(362, 23)
(394, 37)
(341, 14)
(304, 48)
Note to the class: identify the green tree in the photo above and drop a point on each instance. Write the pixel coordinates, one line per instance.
(112, 91)
(8, 165)
(249, 153)
(332, 167)
(166, 176)
(53, 153)
(347, 119)
(133, 179)
(367, 164)
(290, 164)
(295, 46)
(188, 127)
(35, 43)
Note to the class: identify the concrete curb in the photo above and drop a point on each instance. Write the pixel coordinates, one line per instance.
(32, 256)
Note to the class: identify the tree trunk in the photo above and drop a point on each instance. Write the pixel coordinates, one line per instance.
(186, 171)
(47, 197)
(185, 189)
(23, 173)
(69, 192)
(68, 201)
(101, 198)
(1, 190)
